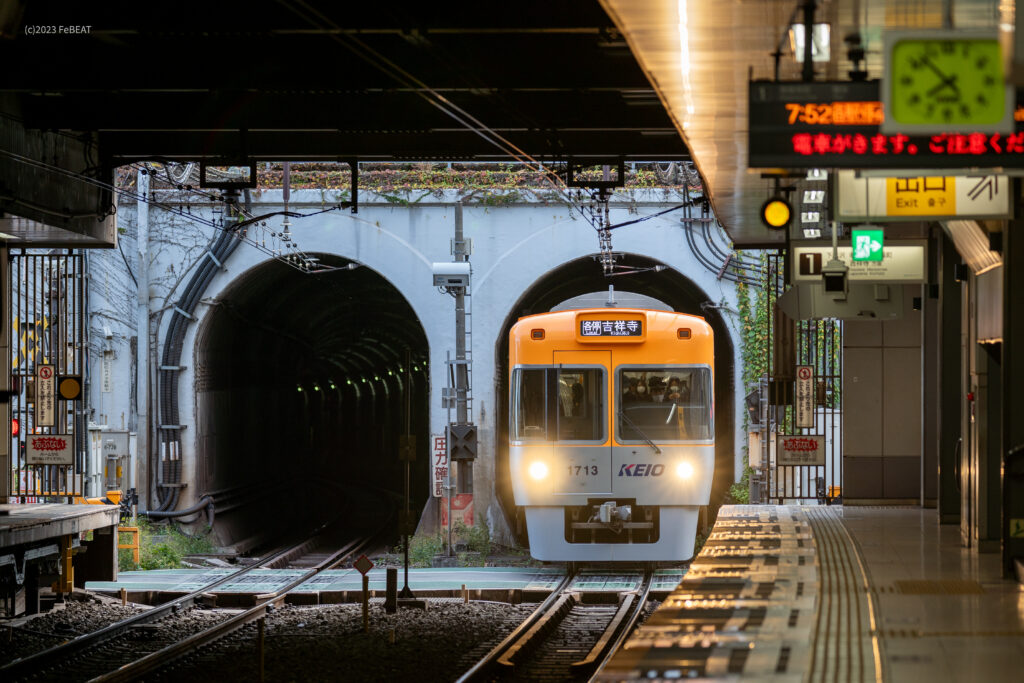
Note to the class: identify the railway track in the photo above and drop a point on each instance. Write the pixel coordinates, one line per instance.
(568, 637)
(145, 642)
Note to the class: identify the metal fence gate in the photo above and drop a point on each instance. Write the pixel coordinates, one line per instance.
(47, 294)
(816, 344)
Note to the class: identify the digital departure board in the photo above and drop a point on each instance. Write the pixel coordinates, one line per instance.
(611, 328)
(823, 125)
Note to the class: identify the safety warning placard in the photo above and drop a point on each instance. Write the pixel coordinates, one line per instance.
(800, 450)
(46, 388)
(897, 198)
(50, 449)
(804, 396)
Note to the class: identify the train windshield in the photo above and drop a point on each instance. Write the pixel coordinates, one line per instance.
(558, 404)
(671, 403)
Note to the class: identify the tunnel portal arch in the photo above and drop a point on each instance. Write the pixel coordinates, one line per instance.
(300, 381)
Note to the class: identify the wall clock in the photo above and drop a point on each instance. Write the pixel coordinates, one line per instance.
(945, 81)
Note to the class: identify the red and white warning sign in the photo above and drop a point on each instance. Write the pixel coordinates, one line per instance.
(800, 450)
(50, 449)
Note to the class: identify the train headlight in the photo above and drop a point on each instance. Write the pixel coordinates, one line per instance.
(538, 470)
(684, 470)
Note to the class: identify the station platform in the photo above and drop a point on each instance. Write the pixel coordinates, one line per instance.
(795, 593)
(42, 542)
(507, 584)
(31, 523)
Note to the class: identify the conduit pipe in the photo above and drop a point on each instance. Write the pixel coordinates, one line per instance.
(169, 439)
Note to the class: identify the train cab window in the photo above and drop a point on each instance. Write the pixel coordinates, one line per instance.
(672, 403)
(558, 404)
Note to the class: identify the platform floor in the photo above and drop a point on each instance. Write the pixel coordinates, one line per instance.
(31, 523)
(792, 593)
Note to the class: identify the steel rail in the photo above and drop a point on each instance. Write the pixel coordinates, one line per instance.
(620, 628)
(482, 668)
(44, 658)
(155, 660)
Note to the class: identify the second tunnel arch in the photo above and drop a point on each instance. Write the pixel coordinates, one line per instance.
(582, 276)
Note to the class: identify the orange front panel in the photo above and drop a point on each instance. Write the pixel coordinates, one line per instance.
(660, 344)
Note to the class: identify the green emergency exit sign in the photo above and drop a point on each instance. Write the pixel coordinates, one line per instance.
(867, 244)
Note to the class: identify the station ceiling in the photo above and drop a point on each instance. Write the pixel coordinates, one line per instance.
(321, 79)
(701, 55)
(592, 80)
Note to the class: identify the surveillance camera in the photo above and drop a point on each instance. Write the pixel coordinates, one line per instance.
(834, 275)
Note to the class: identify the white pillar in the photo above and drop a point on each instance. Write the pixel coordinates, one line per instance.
(140, 471)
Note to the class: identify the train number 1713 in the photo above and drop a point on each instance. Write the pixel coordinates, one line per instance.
(585, 470)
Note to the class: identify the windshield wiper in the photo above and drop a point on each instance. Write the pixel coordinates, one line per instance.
(639, 431)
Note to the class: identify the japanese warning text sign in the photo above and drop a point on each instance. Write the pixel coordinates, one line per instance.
(438, 465)
(50, 449)
(46, 389)
(804, 396)
(801, 450)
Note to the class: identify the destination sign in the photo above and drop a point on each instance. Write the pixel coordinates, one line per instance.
(815, 125)
(611, 328)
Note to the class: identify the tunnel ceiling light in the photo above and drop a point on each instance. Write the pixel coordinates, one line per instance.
(316, 387)
(376, 378)
(348, 381)
(363, 380)
(298, 388)
(332, 385)
(389, 373)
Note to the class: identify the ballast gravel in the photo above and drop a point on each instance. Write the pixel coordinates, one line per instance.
(24, 637)
(328, 643)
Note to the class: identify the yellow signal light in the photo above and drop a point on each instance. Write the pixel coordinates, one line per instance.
(776, 212)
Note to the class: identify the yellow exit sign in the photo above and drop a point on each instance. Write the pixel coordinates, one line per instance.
(928, 196)
(897, 197)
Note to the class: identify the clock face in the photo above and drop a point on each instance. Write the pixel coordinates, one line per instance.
(947, 82)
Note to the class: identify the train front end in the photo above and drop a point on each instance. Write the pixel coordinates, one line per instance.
(611, 432)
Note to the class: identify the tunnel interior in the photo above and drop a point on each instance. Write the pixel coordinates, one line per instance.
(304, 385)
(583, 276)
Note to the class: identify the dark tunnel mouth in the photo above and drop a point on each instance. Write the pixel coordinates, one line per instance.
(583, 276)
(301, 384)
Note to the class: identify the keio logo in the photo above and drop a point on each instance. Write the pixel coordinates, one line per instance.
(642, 469)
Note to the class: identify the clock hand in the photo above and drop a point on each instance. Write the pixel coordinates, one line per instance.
(951, 82)
(946, 80)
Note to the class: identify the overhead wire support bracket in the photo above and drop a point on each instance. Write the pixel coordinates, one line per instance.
(185, 313)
